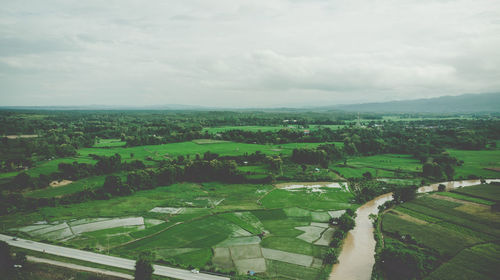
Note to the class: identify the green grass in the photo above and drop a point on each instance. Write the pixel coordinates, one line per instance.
(49, 166)
(192, 148)
(440, 238)
(196, 258)
(466, 198)
(241, 223)
(444, 210)
(93, 182)
(486, 192)
(332, 199)
(252, 128)
(201, 233)
(477, 262)
(381, 166)
(277, 269)
(255, 128)
(137, 204)
(105, 143)
(8, 174)
(475, 162)
(458, 232)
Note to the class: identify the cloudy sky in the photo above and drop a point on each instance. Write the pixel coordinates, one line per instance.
(245, 53)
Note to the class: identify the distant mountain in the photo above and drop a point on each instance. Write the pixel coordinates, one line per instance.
(168, 107)
(467, 103)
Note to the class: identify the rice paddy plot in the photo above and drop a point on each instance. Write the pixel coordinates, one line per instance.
(336, 214)
(235, 241)
(298, 259)
(167, 210)
(248, 226)
(478, 262)
(92, 182)
(490, 192)
(476, 163)
(320, 216)
(66, 230)
(325, 238)
(257, 265)
(108, 143)
(311, 233)
(250, 251)
(331, 199)
(222, 258)
(282, 270)
(120, 222)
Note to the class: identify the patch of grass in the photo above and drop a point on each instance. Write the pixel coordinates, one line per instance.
(50, 166)
(331, 199)
(93, 182)
(288, 244)
(255, 128)
(440, 238)
(137, 204)
(196, 258)
(42, 271)
(475, 163)
(466, 198)
(445, 210)
(477, 262)
(381, 166)
(241, 223)
(459, 232)
(489, 192)
(106, 143)
(202, 233)
(172, 150)
(277, 269)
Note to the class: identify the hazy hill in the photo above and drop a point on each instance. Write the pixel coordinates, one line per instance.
(467, 103)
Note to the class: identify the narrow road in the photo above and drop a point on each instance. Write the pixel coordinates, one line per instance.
(80, 267)
(104, 259)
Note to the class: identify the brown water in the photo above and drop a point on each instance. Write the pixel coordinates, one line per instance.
(357, 257)
(358, 252)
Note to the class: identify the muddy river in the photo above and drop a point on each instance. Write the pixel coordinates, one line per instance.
(358, 252)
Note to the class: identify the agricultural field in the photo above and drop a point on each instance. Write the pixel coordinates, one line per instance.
(476, 163)
(267, 128)
(159, 152)
(380, 166)
(223, 148)
(459, 228)
(243, 206)
(270, 230)
(93, 182)
(109, 143)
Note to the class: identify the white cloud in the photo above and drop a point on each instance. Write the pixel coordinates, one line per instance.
(245, 53)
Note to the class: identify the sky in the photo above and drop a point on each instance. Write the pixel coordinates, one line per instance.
(230, 53)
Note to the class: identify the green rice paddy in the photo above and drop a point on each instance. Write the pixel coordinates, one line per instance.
(459, 226)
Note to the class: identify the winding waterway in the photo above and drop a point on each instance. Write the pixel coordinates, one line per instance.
(358, 252)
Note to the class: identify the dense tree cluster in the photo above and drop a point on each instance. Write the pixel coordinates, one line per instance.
(321, 155)
(344, 224)
(8, 261)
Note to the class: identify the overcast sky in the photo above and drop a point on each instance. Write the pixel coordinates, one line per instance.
(245, 53)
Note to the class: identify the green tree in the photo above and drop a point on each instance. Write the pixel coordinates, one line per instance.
(404, 194)
(5, 258)
(331, 256)
(143, 267)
